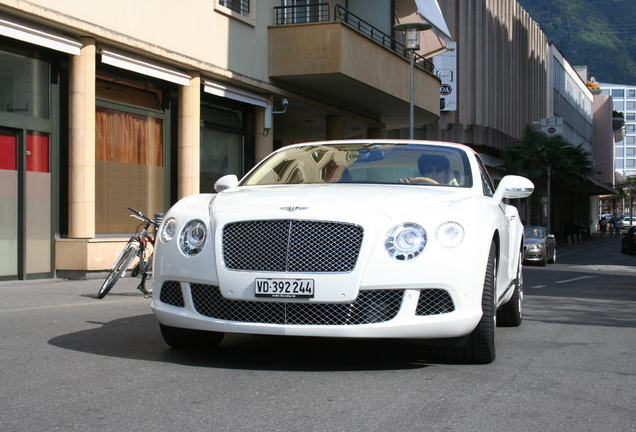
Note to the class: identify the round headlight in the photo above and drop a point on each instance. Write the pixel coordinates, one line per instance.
(450, 234)
(192, 237)
(405, 241)
(168, 230)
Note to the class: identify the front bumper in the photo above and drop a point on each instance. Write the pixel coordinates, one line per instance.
(427, 313)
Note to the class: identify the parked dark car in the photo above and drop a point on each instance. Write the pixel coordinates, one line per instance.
(539, 246)
(629, 241)
(575, 228)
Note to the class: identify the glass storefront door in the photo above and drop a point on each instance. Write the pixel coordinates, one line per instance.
(8, 203)
(26, 126)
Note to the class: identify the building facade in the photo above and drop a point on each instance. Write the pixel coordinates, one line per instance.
(624, 101)
(105, 106)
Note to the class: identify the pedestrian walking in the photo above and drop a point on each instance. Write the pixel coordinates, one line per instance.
(611, 226)
(602, 226)
(617, 227)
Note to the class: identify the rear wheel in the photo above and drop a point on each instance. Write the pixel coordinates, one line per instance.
(120, 266)
(511, 314)
(480, 346)
(181, 338)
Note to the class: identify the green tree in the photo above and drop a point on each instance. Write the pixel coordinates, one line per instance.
(539, 157)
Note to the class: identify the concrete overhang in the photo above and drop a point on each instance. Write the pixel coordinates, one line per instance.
(334, 62)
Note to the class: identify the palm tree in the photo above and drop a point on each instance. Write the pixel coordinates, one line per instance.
(540, 157)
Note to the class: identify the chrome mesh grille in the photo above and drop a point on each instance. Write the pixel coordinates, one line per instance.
(171, 294)
(369, 307)
(289, 245)
(434, 302)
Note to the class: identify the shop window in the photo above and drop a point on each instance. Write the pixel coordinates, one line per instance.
(129, 157)
(222, 146)
(24, 85)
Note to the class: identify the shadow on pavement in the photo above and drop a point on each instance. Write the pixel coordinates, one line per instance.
(130, 338)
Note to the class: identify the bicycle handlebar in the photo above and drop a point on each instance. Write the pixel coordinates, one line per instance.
(139, 215)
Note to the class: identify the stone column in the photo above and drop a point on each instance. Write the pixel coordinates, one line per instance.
(81, 200)
(334, 127)
(264, 138)
(189, 137)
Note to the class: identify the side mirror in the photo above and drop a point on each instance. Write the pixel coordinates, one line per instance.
(513, 187)
(226, 182)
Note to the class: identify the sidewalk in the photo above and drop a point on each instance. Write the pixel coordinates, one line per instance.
(593, 239)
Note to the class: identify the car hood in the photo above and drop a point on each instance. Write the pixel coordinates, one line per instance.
(388, 200)
(530, 241)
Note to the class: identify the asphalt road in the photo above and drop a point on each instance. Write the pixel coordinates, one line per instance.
(71, 362)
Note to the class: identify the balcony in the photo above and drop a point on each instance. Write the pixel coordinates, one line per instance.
(350, 63)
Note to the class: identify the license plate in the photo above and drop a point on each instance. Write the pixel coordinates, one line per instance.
(284, 288)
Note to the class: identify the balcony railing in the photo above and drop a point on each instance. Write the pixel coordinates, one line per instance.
(239, 6)
(286, 15)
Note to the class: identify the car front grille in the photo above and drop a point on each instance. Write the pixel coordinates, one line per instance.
(434, 302)
(369, 307)
(289, 245)
(171, 294)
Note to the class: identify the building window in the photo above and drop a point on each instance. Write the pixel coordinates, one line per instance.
(24, 85)
(630, 105)
(618, 93)
(631, 93)
(630, 128)
(239, 6)
(630, 116)
(631, 139)
(222, 145)
(629, 163)
(129, 141)
(630, 151)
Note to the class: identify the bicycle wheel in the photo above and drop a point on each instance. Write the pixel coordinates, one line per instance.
(120, 266)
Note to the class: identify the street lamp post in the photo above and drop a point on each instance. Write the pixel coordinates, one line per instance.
(412, 44)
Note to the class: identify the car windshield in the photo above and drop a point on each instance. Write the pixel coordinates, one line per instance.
(534, 232)
(385, 163)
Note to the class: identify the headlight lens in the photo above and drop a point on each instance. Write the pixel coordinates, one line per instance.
(405, 241)
(192, 237)
(450, 234)
(168, 230)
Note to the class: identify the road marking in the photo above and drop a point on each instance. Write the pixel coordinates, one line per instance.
(575, 279)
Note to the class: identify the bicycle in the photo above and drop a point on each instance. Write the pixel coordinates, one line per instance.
(137, 247)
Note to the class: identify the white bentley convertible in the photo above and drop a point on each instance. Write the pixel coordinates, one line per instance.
(356, 239)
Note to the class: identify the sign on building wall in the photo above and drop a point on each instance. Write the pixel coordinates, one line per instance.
(446, 70)
(552, 126)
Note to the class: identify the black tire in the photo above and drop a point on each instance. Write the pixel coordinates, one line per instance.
(543, 261)
(120, 266)
(480, 346)
(511, 314)
(552, 260)
(180, 338)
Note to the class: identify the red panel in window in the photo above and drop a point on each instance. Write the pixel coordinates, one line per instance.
(37, 158)
(8, 144)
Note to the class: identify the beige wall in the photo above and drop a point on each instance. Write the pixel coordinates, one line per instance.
(198, 30)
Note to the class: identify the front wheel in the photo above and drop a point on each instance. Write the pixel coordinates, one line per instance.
(120, 266)
(480, 346)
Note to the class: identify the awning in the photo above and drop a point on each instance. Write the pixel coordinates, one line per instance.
(594, 187)
(432, 14)
(234, 93)
(432, 42)
(39, 36)
(144, 67)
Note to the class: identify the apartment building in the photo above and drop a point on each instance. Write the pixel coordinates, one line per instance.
(624, 101)
(110, 105)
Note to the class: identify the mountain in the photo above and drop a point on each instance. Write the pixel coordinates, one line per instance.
(599, 34)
